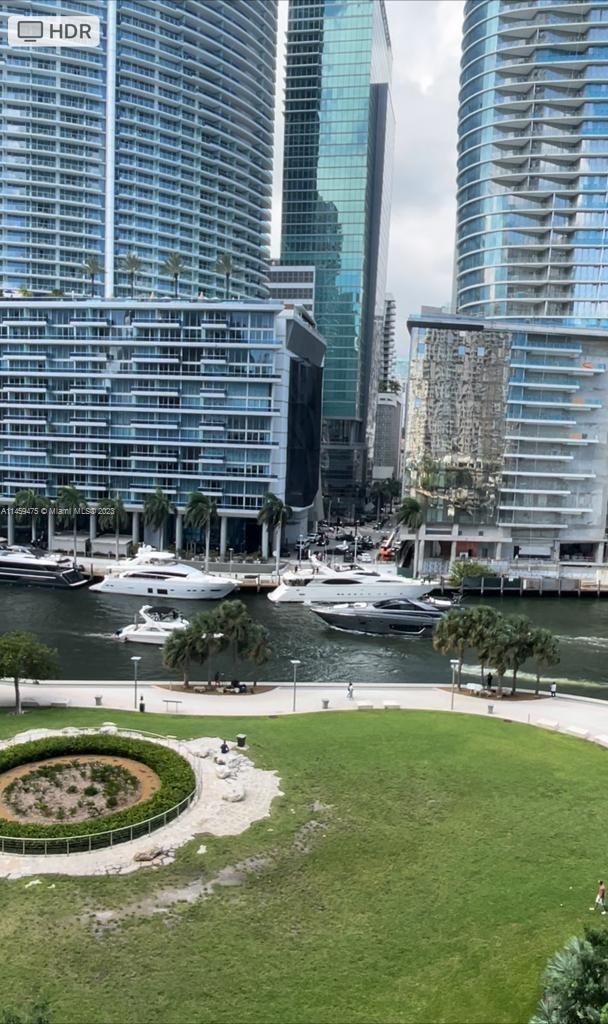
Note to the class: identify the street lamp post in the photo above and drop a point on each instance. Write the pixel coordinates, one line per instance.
(136, 660)
(356, 537)
(453, 666)
(300, 543)
(230, 554)
(295, 663)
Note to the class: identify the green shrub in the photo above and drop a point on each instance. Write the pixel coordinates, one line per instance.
(175, 774)
(460, 570)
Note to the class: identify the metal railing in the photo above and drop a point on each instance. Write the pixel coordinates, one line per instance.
(38, 846)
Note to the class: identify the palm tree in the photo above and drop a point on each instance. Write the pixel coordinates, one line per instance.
(180, 650)
(173, 267)
(93, 266)
(225, 266)
(274, 513)
(233, 621)
(157, 509)
(484, 622)
(69, 500)
(379, 491)
(544, 650)
(521, 644)
(200, 513)
(132, 266)
(453, 634)
(210, 638)
(259, 651)
(113, 515)
(31, 502)
(500, 652)
(24, 292)
(411, 514)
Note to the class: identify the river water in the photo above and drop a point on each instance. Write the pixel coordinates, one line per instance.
(79, 624)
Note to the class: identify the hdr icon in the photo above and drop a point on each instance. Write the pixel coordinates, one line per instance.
(75, 30)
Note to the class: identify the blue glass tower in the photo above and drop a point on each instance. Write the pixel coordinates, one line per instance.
(336, 205)
(159, 141)
(532, 236)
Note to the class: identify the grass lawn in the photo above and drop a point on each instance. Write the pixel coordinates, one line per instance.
(456, 854)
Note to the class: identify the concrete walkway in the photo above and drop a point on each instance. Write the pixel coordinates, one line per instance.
(566, 712)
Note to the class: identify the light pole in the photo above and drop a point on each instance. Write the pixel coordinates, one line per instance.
(136, 660)
(454, 666)
(230, 554)
(295, 663)
(300, 543)
(356, 537)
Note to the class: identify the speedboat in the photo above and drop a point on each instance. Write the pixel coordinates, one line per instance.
(34, 567)
(320, 584)
(402, 617)
(159, 574)
(152, 625)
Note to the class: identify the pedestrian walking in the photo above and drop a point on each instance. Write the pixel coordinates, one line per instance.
(600, 899)
(553, 689)
(349, 691)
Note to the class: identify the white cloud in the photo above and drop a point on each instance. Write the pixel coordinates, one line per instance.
(426, 52)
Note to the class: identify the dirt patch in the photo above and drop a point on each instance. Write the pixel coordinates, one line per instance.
(216, 691)
(506, 694)
(74, 788)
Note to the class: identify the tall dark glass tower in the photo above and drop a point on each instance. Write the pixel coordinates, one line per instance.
(533, 162)
(336, 207)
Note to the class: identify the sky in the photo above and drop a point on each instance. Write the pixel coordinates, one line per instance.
(425, 37)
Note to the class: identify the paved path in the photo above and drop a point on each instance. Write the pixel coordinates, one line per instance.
(582, 713)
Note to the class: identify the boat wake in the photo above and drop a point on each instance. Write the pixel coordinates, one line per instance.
(527, 679)
(600, 642)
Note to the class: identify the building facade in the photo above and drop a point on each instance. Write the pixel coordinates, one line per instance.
(389, 350)
(159, 141)
(122, 397)
(292, 285)
(507, 426)
(387, 444)
(532, 236)
(336, 206)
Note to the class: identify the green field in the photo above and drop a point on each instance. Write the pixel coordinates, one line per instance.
(453, 856)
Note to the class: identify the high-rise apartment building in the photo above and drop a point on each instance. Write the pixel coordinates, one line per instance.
(158, 141)
(532, 237)
(292, 285)
(389, 351)
(336, 207)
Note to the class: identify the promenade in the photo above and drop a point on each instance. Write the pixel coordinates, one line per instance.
(580, 713)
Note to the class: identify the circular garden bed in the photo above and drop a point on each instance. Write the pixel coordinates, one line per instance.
(66, 793)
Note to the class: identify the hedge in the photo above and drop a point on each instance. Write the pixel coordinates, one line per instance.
(175, 774)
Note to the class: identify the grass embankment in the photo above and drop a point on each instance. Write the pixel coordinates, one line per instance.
(456, 855)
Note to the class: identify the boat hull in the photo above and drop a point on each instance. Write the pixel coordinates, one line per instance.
(377, 625)
(186, 590)
(50, 581)
(336, 593)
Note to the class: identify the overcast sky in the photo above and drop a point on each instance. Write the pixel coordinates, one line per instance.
(426, 52)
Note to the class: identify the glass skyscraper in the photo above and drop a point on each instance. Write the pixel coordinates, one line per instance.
(159, 141)
(532, 237)
(336, 205)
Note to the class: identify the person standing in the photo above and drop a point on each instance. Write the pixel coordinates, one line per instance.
(600, 899)
(349, 691)
(553, 689)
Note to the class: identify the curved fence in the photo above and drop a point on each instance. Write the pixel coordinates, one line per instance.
(113, 837)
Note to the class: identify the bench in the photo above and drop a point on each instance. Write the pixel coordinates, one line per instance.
(475, 688)
(574, 730)
(391, 705)
(60, 703)
(174, 702)
(364, 705)
(29, 703)
(547, 723)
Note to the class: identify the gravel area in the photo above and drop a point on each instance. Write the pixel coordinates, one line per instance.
(231, 797)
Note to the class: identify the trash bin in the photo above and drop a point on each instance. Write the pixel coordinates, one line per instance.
(325, 703)
(142, 705)
(241, 739)
(98, 700)
(490, 709)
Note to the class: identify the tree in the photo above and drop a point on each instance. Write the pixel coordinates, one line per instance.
(453, 634)
(500, 652)
(259, 651)
(157, 509)
(174, 267)
(211, 640)
(113, 515)
(93, 267)
(23, 657)
(69, 500)
(411, 514)
(233, 621)
(544, 651)
(521, 644)
(31, 504)
(180, 650)
(132, 266)
(466, 569)
(379, 491)
(225, 266)
(200, 513)
(576, 982)
(25, 292)
(484, 622)
(274, 514)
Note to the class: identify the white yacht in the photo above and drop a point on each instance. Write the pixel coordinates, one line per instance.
(152, 626)
(37, 568)
(159, 574)
(321, 584)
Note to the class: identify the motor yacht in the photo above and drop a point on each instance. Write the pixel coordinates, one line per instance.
(33, 567)
(152, 625)
(159, 574)
(322, 584)
(402, 617)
